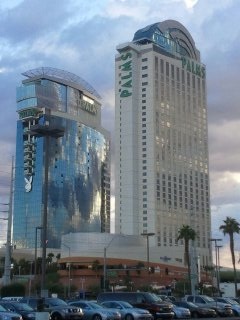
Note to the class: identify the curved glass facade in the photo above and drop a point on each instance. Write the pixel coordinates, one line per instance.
(78, 164)
(169, 35)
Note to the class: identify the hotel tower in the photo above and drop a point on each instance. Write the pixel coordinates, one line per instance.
(161, 134)
(62, 176)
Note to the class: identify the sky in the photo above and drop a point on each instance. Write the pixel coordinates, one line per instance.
(81, 36)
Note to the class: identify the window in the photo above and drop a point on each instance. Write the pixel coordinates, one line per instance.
(167, 68)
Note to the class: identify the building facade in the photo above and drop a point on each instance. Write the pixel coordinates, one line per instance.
(162, 174)
(62, 159)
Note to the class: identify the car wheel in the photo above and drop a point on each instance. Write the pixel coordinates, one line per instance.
(129, 317)
(96, 317)
(56, 316)
(235, 313)
(194, 315)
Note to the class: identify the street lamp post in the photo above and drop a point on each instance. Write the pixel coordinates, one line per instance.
(105, 260)
(30, 279)
(69, 269)
(35, 257)
(218, 269)
(215, 240)
(7, 263)
(46, 131)
(147, 235)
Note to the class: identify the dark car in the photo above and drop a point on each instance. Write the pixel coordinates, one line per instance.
(234, 304)
(222, 309)
(58, 308)
(144, 300)
(23, 309)
(196, 311)
(9, 315)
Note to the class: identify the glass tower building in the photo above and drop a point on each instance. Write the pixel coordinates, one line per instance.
(162, 177)
(62, 158)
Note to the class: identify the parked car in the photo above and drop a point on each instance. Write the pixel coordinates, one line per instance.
(12, 298)
(6, 315)
(144, 300)
(196, 311)
(181, 313)
(237, 299)
(234, 305)
(58, 308)
(24, 309)
(94, 311)
(222, 309)
(167, 298)
(127, 311)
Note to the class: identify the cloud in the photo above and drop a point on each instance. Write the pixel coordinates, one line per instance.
(190, 3)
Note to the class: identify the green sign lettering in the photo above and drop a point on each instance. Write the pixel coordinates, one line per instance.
(29, 113)
(126, 76)
(87, 106)
(125, 93)
(193, 67)
(126, 56)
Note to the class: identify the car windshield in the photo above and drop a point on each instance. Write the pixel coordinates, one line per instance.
(2, 309)
(94, 305)
(228, 300)
(208, 299)
(23, 307)
(56, 302)
(191, 304)
(126, 304)
(155, 298)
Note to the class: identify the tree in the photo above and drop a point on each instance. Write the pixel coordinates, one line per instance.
(13, 290)
(50, 257)
(58, 256)
(230, 227)
(186, 233)
(96, 266)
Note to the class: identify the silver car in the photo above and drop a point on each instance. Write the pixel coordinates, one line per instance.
(181, 312)
(95, 311)
(127, 311)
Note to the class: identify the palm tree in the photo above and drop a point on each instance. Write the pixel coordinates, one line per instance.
(230, 227)
(186, 233)
(96, 266)
(50, 257)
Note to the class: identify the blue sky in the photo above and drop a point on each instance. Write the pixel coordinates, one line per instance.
(81, 36)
